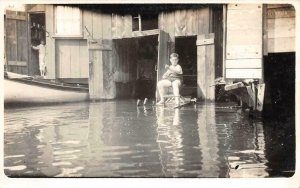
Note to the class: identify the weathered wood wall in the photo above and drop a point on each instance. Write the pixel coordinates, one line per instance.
(206, 66)
(50, 43)
(36, 8)
(197, 22)
(16, 42)
(101, 64)
(244, 41)
(280, 28)
(72, 58)
(117, 65)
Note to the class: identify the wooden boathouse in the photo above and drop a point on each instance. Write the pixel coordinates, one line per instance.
(104, 45)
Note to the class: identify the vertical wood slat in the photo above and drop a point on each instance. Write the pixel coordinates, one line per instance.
(11, 39)
(84, 59)
(203, 20)
(205, 67)
(97, 25)
(109, 86)
(50, 48)
(127, 26)
(191, 22)
(180, 22)
(163, 55)
(74, 59)
(171, 31)
(246, 19)
(87, 23)
(167, 24)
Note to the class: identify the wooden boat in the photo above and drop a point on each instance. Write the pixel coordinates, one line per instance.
(21, 89)
(249, 92)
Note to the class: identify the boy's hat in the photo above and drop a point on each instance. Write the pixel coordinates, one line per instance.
(174, 55)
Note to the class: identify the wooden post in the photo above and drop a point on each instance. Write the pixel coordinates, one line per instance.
(50, 44)
(98, 56)
(206, 67)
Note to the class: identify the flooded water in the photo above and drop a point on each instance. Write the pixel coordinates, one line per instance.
(118, 139)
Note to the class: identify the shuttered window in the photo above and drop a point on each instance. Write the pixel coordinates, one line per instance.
(68, 21)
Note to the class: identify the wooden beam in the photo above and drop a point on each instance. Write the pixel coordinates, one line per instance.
(205, 41)
(145, 33)
(17, 63)
(281, 13)
(206, 67)
(244, 73)
(50, 44)
(15, 15)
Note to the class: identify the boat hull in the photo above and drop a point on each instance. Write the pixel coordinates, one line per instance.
(22, 91)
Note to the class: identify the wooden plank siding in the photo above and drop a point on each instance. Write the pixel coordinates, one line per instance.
(206, 66)
(16, 42)
(101, 65)
(121, 26)
(166, 23)
(118, 65)
(109, 90)
(50, 42)
(244, 38)
(189, 22)
(281, 29)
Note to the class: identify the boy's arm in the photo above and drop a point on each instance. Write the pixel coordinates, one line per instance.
(177, 69)
(35, 47)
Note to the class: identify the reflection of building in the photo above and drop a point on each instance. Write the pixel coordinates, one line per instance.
(208, 141)
(246, 155)
(169, 140)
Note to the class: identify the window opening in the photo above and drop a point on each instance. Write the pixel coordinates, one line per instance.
(143, 22)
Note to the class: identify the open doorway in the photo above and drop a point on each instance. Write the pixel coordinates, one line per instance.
(146, 67)
(187, 50)
(136, 59)
(37, 33)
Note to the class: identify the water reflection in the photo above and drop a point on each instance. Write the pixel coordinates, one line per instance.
(118, 139)
(208, 138)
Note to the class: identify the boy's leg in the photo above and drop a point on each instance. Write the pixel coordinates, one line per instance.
(145, 101)
(138, 102)
(176, 86)
(161, 85)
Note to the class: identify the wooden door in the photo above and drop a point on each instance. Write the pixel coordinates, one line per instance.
(244, 37)
(163, 55)
(16, 42)
(206, 66)
(101, 82)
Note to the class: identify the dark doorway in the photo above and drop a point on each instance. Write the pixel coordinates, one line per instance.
(136, 59)
(187, 50)
(279, 75)
(146, 66)
(37, 33)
